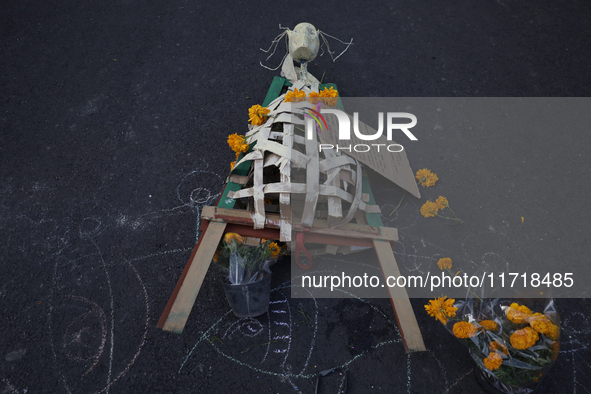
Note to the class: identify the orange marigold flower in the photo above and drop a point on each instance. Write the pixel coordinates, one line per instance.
(493, 361)
(329, 96)
(498, 346)
(216, 256)
(524, 338)
(329, 92)
(442, 202)
(444, 263)
(293, 96)
(256, 114)
(314, 97)
(426, 177)
(275, 249)
(429, 209)
(463, 329)
(543, 325)
(237, 143)
(232, 164)
(231, 236)
(441, 309)
(490, 325)
(518, 313)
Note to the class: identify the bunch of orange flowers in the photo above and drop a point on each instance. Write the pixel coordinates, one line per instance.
(328, 96)
(431, 209)
(538, 322)
(515, 347)
(250, 262)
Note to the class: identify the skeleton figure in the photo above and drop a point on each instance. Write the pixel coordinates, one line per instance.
(303, 46)
(303, 42)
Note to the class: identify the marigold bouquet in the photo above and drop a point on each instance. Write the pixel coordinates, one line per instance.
(512, 345)
(245, 263)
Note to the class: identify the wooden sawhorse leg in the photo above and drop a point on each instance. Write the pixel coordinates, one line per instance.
(405, 316)
(181, 302)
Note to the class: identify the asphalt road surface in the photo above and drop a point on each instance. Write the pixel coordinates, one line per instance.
(114, 117)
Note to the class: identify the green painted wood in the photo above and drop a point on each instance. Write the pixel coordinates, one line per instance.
(226, 202)
(275, 89)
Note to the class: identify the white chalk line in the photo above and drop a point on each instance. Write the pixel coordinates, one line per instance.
(111, 304)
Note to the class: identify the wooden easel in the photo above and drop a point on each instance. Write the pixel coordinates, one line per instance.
(369, 231)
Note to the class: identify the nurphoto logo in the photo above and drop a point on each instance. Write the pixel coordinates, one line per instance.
(316, 118)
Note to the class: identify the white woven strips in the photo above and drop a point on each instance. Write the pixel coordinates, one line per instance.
(302, 188)
(271, 159)
(258, 195)
(297, 85)
(333, 161)
(276, 102)
(263, 135)
(312, 181)
(298, 139)
(329, 176)
(285, 198)
(356, 203)
(242, 193)
(284, 165)
(289, 107)
(335, 209)
(288, 118)
(239, 179)
(254, 155)
(255, 134)
(254, 130)
(294, 156)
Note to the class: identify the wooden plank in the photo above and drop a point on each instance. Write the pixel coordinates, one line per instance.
(319, 226)
(181, 308)
(407, 322)
(164, 316)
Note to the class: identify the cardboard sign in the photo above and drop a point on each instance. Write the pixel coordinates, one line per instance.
(381, 155)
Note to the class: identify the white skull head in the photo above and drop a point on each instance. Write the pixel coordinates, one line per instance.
(303, 42)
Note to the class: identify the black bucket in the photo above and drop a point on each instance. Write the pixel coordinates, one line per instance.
(251, 299)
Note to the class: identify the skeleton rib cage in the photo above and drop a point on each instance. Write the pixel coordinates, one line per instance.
(288, 168)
